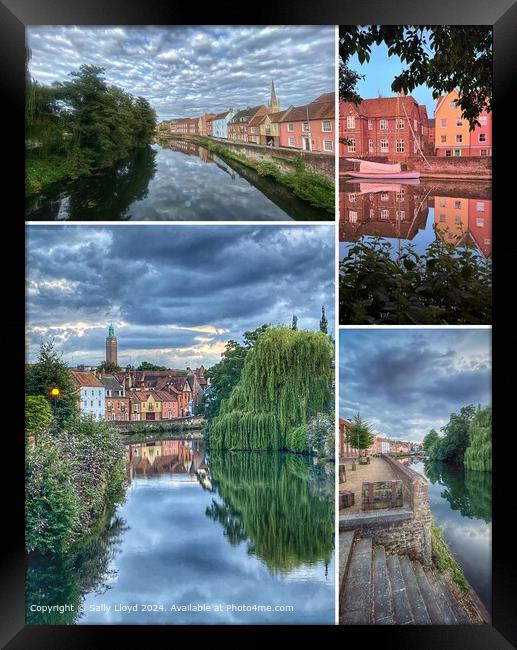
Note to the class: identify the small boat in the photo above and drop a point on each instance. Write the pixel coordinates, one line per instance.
(368, 169)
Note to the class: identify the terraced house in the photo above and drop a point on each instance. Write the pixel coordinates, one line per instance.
(90, 394)
(244, 125)
(310, 127)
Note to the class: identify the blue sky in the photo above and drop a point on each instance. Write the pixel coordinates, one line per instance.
(379, 74)
(406, 381)
(187, 71)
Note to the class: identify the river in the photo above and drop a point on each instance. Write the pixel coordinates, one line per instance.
(178, 182)
(461, 504)
(236, 537)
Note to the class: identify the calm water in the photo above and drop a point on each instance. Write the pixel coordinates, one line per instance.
(416, 213)
(186, 182)
(235, 532)
(461, 503)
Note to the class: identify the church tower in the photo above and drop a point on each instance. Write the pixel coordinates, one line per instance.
(274, 104)
(111, 346)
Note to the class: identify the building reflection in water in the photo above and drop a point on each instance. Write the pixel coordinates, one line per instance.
(401, 211)
(177, 456)
(192, 149)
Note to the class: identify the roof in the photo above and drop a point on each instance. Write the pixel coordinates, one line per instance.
(386, 106)
(276, 117)
(256, 120)
(344, 423)
(86, 379)
(321, 108)
(221, 116)
(165, 396)
(246, 114)
(110, 382)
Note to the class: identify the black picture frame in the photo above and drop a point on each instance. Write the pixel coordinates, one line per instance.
(15, 15)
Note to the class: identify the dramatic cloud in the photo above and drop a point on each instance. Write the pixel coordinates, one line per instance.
(176, 294)
(405, 382)
(187, 71)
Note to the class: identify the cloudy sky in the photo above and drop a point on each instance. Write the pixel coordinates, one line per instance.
(405, 382)
(186, 71)
(176, 294)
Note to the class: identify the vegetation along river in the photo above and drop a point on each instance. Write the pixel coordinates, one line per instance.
(177, 182)
(230, 537)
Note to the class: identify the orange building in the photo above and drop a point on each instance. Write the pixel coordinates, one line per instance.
(452, 135)
(451, 218)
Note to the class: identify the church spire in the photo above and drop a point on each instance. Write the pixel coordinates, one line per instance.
(111, 330)
(274, 104)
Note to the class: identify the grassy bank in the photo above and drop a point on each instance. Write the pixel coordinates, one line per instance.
(41, 171)
(313, 188)
(444, 561)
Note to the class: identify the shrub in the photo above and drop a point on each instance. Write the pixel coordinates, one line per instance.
(38, 414)
(297, 439)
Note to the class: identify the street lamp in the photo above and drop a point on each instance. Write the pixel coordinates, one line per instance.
(55, 392)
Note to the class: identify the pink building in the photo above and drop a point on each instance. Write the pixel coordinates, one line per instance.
(480, 224)
(310, 127)
(481, 136)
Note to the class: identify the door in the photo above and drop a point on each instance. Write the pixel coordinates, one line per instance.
(306, 143)
(149, 416)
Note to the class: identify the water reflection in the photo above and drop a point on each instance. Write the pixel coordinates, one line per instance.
(229, 528)
(178, 181)
(461, 503)
(417, 212)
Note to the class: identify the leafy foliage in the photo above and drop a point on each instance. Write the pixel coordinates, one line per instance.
(443, 57)
(38, 414)
(284, 380)
(48, 372)
(108, 367)
(146, 365)
(296, 440)
(478, 455)
(321, 434)
(446, 285)
(359, 434)
(451, 446)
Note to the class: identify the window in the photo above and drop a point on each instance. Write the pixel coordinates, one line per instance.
(459, 138)
(351, 145)
(291, 142)
(452, 104)
(457, 204)
(484, 152)
(415, 126)
(290, 127)
(328, 145)
(480, 206)
(459, 123)
(91, 403)
(457, 220)
(384, 146)
(448, 153)
(305, 127)
(480, 222)
(370, 124)
(385, 214)
(372, 213)
(443, 139)
(370, 146)
(457, 152)
(443, 203)
(400, 123)
(483, 120)
(352, 216)
(384, 125)
(443, 218)
(482, 137)
(385, 196)
(400, 146)
(350, 122)
(326, 125)
(486, 241)
(352, 197)
(443, 122)
(401, 195)
(402, 215)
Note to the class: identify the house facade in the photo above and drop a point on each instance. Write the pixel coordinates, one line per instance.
(309, 127)
(220, 124)
(240, 127)
(91, 394)
(452, 135)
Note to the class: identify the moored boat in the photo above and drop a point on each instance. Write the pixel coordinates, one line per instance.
(368, 169)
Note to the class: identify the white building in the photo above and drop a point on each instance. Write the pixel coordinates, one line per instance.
(220, 124)
(91, 394)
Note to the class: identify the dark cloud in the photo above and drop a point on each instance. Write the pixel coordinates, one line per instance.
(175, 293)
(404, 382)
(186, 71)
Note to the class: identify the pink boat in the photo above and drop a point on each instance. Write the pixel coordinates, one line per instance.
(369, 169)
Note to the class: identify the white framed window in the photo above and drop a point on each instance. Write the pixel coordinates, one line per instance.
(443, 202)
(384, 145)
(350, 121)
(487, 241)
(352, 197)
(385, 196)
(292, 142)
(385, 214)
(290, 126)
(452, 104)
(457, 204)
(370, 145)
(326, 126)
(480, 206)
(480, 222)
(443, 218)
(457, 152)
(402, 214)
(352, 216)
(401, 124)
(400, 146)
(415, 125)
(482, 137)
(483, 120)
(370, 124)
(457, 220)
(383, 125)
(448, 153)
(459, 138)
(328, 145)
(459, 123)
(443, 139)
(443, 122)
(372, 213)
(305, 127)
(401, 195)
(351, 145)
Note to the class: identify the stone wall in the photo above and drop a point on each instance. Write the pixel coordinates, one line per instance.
(439, 166)
(406, 531)
(189, 421)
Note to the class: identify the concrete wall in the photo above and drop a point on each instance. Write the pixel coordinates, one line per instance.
(188, 421)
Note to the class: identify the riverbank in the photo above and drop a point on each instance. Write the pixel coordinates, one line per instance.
(316, 189)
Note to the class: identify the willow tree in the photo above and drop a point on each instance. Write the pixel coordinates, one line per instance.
(478, 455)
(285, 380)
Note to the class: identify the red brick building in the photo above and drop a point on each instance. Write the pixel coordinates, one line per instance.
(310, 127)
(244, 125)
(391, 127)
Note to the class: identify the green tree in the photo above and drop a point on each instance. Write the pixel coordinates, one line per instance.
(429, 441)
(108, 367)
(146, 365)
(359, 434)
(478, 455)
(443, 57)
(38, 415)
(48, 372)
(323, 322)
(294, 324)
(321, 434)
(456, 435)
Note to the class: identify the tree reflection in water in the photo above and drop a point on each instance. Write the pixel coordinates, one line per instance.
(282, 504)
